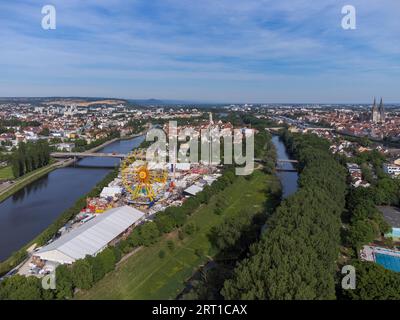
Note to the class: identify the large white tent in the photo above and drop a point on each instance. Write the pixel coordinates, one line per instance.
(92, 237)
(193, 190)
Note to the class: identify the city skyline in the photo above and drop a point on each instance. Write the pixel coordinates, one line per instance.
(255, 51)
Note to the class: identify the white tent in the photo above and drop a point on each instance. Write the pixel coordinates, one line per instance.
(110, 192)
(92, 237)
(193, 190)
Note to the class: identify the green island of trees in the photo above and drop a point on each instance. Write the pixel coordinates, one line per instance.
(296, 258)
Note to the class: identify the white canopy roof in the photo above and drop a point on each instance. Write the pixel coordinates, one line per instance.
(110, 191)
(92, 237)
(193, 190)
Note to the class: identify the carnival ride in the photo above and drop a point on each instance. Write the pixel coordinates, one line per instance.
(141, 180)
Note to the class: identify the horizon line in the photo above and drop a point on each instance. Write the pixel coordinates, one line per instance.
(189, 101)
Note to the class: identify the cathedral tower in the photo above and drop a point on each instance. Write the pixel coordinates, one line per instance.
(382, 116)
(375, 113)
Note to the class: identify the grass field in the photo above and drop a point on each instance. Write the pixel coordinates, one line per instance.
(147, 276)
(6, 173)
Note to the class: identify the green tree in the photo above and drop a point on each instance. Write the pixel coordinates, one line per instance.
(97, 268)
(373, 282)
(362, 232)
(21, 288)
(108, 259)
(149, 233)
(82, 275)
(165, 223)
(64, 282)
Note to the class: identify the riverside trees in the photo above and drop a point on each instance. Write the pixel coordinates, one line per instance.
(296, 257)
(30, 156)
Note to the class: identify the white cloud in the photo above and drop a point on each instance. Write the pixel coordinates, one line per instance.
(209, 40)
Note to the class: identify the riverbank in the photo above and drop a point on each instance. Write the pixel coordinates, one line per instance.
(12, 187)
(9, 188)
(37, 207)
(21, 255)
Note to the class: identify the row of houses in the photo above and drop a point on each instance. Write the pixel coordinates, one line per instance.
(356, 176)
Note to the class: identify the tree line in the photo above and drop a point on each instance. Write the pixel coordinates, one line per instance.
(366, 222)
(30, 156)
(296, 258)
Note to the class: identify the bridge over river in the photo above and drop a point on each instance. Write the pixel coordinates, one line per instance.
(123, 155)
(81, 155)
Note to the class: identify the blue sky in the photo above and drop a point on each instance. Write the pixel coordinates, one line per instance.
(208, 50)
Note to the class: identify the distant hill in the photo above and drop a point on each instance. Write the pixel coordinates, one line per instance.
(158, 102)
(81, 101)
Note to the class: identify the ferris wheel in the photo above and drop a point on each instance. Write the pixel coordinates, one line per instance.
(139, 179)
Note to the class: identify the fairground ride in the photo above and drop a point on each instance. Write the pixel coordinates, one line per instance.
(139, 180)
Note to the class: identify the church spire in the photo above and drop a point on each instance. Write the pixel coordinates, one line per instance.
(382, 111)
(375, 112)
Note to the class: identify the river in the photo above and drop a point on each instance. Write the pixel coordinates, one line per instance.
(288, 179)
(31, 210)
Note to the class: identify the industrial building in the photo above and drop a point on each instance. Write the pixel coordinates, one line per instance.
(92, 237)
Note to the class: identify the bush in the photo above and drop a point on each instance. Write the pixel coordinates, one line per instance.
(82, 276)
(64, 282)
(107, 259)
(161, 254)
(21, 288)
(97, 268)
(149, 233)
(164, 222)
(190, 228)
(374, 283)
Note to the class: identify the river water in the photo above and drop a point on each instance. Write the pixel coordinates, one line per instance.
(31, 210)
(288, 179)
